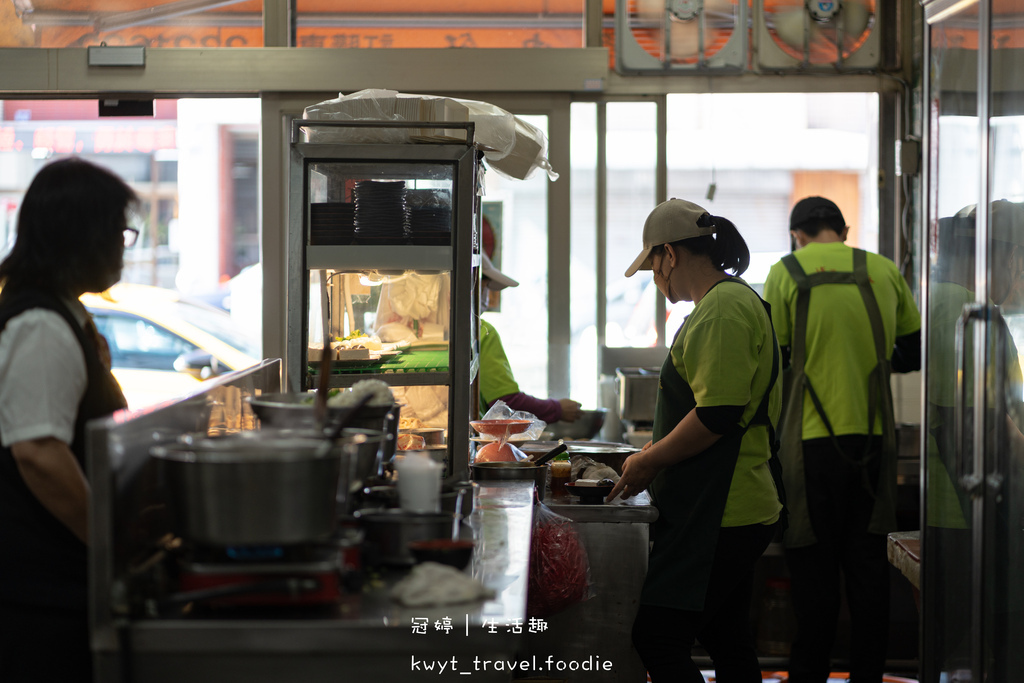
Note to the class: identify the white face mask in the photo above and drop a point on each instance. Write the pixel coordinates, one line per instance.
(666, 278)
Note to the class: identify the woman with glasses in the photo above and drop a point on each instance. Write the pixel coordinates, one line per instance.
(54, 378)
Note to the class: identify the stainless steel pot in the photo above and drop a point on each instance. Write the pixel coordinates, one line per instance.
(389, 532)
(512, 471)
(252, 489)
(362, 464)
(587, 426)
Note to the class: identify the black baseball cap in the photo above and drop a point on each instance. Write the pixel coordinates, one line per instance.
(811, 209)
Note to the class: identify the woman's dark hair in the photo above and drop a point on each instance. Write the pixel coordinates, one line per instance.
(726, 248)
(70, 228)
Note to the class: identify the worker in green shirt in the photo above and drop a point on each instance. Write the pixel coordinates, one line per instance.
(496, 379)
(844, 318)
(709, 468)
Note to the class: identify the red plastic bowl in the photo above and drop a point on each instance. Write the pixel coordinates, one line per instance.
(500, 427)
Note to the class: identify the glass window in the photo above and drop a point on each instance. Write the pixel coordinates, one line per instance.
(82, 23)
(753, 168)
(440, 24)
(632, 145)
(193, 165)
(517, 212)
(583, 259)
(798, 145)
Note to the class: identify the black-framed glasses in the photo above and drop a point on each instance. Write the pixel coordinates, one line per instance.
(130, 236)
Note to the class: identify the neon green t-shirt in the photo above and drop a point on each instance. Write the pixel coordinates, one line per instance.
(725, 355)
(496, 378)
(840, 346)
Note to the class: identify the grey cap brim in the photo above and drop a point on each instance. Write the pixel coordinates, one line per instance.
(641, 262)
(498, 280)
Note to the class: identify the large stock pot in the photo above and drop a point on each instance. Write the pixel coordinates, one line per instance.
(254, 488)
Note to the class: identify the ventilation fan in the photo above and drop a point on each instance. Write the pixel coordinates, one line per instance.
(668, 36)
(839, 35)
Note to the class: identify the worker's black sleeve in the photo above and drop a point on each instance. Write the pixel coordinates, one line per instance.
(906, 354)
(720, 419)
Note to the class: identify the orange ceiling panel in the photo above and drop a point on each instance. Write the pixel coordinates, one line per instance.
(441, 7)
(110, 7)
(437, 38)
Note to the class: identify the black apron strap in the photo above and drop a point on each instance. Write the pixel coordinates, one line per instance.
(804, 285)
(879, 391)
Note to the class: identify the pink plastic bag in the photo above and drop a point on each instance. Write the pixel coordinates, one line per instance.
(559, 568)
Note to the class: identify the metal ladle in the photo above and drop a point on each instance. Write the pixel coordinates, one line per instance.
(556, 451)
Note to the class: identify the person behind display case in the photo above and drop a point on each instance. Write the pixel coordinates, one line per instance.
(497, 382)
(497, 379)
(54, 377)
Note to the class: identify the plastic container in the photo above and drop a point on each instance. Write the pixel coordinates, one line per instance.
(419, 483)
(776, 623)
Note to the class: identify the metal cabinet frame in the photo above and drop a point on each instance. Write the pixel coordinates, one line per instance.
(461, 259)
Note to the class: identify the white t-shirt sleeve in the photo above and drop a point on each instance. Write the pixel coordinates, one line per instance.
(42, 377)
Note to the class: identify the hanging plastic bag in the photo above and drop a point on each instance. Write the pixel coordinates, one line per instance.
(559, 568)
(500, 444)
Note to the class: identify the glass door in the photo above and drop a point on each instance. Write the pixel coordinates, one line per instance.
(973, 535)
(1002, 654)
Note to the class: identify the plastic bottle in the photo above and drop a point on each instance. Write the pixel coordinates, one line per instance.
(776, 624)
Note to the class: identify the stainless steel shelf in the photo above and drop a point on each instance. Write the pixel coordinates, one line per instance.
(405, 379)
(324, 172)
(359, 257)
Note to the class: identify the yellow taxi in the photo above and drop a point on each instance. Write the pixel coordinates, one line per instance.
(162, 344)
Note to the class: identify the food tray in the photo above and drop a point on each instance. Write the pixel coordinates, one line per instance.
(409, 361)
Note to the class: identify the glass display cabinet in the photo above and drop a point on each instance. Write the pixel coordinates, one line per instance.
(383, 268)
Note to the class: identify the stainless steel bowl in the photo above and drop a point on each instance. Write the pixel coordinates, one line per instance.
(296, 411)
(587, 426)
(388, 533)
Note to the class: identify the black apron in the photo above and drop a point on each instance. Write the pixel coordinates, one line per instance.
(796, 382)
(43, 563)
(691, 495)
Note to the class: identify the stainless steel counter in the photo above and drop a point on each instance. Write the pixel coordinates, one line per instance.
(616, 538)
(366, 636)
